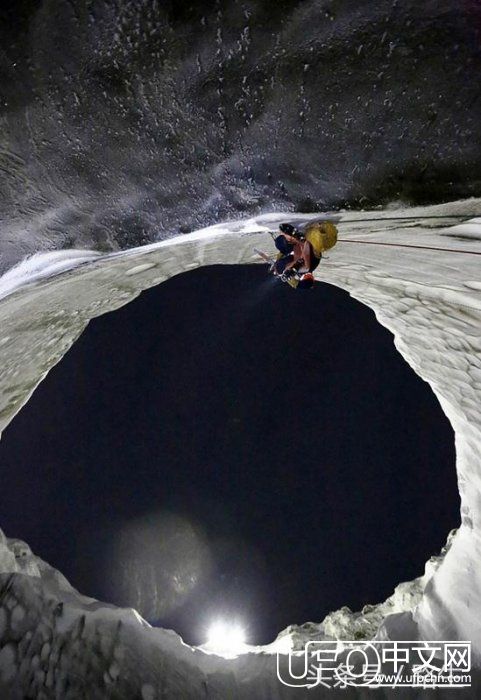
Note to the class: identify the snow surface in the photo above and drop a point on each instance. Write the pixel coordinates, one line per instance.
(55, 643)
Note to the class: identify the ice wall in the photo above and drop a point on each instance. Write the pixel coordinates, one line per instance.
(422, 277)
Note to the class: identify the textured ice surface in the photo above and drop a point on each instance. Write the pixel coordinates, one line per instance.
(124, 122)
(54, 643)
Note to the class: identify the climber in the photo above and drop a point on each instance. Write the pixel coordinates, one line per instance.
(303, 258)
(300, 251)
(317, 237)
(289, 244)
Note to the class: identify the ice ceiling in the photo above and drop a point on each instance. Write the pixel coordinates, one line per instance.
(125, 122)
(420, 275)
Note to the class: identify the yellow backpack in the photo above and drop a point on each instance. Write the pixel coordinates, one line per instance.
(322, 235)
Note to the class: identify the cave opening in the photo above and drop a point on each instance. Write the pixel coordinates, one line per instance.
(224, 445)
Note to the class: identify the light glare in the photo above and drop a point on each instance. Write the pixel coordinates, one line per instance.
(226, 638)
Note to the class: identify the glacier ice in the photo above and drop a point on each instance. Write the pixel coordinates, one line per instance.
(54, 642)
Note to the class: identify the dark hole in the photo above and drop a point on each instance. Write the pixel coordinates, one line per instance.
(284, 425)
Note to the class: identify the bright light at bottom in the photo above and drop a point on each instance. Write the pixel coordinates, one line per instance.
(226, 638)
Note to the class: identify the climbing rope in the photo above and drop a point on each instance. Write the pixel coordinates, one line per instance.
(409, 245)
(410, 218)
